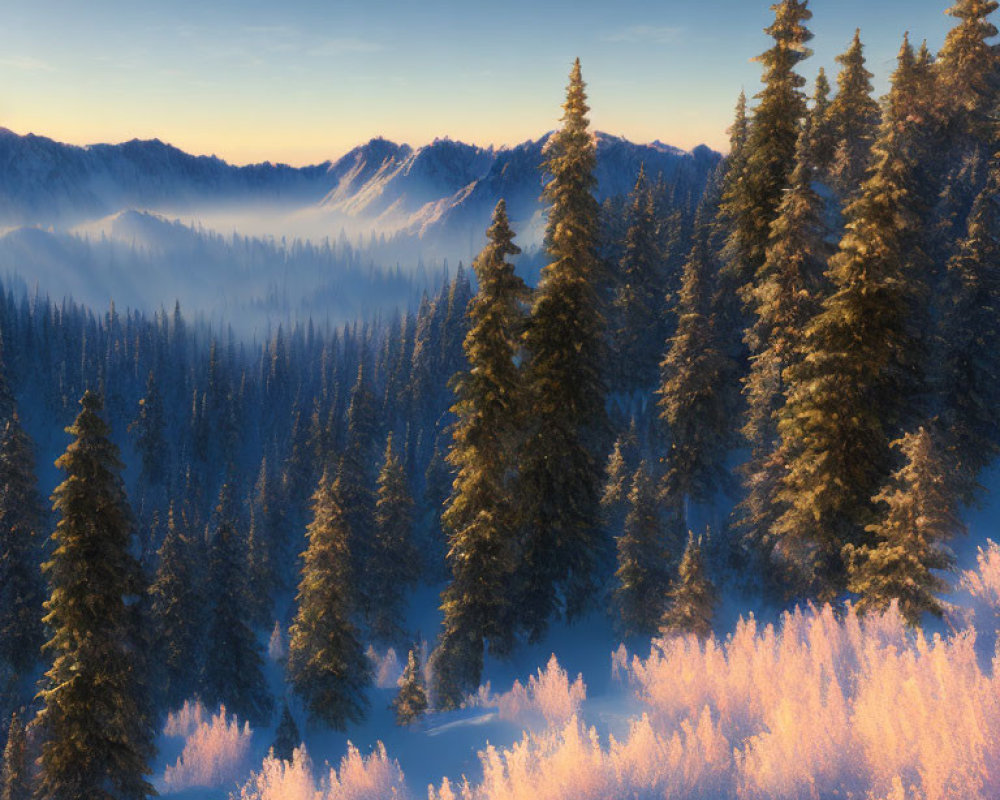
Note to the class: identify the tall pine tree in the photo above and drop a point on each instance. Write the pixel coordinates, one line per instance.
(233, 665)
(853, 118)
(911, 538)
(785, 299)
(395, 562)
(563, 456)
(481, 513)
(642, 576)
(327, 666)
(98, 734)
(21, 590)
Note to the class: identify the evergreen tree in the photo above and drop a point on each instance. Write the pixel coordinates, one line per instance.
(177, 604)
(395, 563)
(411, 700)
(481, 512)
(327, 666)
(356, 480)
(98, 734)
(286, 738)
(972, 338)
(858, 379)
(234, 665)
(968, 70)
(693, 402)
(692, 597)
(15, 779)
(785, 300)
(820, 135)
(148, 428)
(921, 516)
(772, 137)
(260, 574)
(642, 577)
(639, 331)
(21, 591)
(563, 456)
(854, 118)
(620, 468)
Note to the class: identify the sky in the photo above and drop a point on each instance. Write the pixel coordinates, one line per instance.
(303, 81)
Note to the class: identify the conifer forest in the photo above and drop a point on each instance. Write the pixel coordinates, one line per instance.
(718, 432)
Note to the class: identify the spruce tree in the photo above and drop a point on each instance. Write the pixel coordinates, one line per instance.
(820, 136)
(921, 516)
(642, 577)
(411, 700)
(637, 311)
(177, 613)
(692, 598)
(785, 299)
(356, 479)
(97, 730)
(15, 778)
(773, 134)
(693, 403)
(395, 562)
(563, 456)
(260, 586)
(327, 666)
(971, 389)
(21, 590)
(234, 665)
(286, 738)
(618, 473)
(859, 378)
(968, 71)
(853, 118)
(480, 515)
(148, 429)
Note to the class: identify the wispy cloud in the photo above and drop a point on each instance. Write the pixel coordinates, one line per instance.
(648, 34)
(340, 46)
(26, 64)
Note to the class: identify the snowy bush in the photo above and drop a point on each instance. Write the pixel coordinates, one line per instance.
(982, 587)
(372, 777)
(549, 695)
(385, 667)
(216, 751)
(186, 720)
(817, 707)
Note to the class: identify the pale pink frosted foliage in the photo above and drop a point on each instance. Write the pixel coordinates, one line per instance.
(216, 753)
(549, 694)
(372, 777)
(283, 780)
(386, 668)
(186, 720)
(982, 585)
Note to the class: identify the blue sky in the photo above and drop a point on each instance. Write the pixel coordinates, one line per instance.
(301, 81)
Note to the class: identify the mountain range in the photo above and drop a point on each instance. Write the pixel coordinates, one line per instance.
(440, 195)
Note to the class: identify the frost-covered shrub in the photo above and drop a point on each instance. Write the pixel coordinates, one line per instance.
(186, 720)
(372, 777)
(216, 752)
(385, 667)
(549, 695)
(982, 589)
(821, 706)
